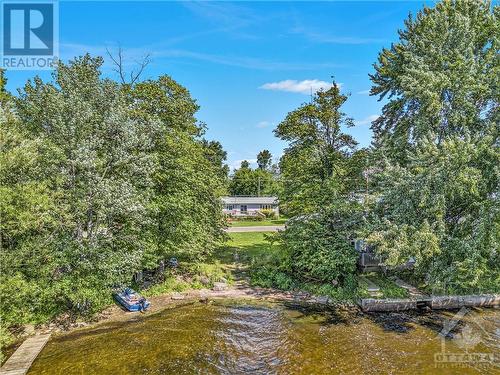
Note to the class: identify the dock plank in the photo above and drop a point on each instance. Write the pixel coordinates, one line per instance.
(22, 359)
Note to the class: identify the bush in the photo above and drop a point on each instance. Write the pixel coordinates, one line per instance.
(214, 272)
(319, 246)
(249, 218)
(5, 340)
(190, 276)
(23, 302)
(270, 277)
(268, 213)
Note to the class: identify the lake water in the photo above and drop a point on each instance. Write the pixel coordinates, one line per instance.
(235, 337)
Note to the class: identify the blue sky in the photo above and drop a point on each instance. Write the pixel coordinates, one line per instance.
(247, 64)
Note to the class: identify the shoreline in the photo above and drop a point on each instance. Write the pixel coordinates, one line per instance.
(115, 313)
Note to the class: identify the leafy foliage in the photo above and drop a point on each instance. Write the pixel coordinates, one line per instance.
(319, 169)
(99, 180)
(441, 78)
(318, 245)
(189, 177)
(431, 178)
(189, 213)
(76, 219)
(264, 159)
(254, 182)
(314, 167)
(437, 183)
(217, 156)
(443, 210)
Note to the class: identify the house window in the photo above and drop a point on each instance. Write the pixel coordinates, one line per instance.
(243, 208)
(229, 207)
(266, 207)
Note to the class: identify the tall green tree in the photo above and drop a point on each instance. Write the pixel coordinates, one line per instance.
(264, 160)
(190, 175)
(168, 101)
(89, 189)
(99, 180)
(319, 169)
(437, 180)
(441, 77)
(253, 182)
(442, 209)
(29, 216)
(314, 165)
(243, 181)
(214, 152)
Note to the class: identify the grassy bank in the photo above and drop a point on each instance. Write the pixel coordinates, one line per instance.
(189, 276)
(242, 249)
(263, 259)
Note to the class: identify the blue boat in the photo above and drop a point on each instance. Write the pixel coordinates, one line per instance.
(132, 300)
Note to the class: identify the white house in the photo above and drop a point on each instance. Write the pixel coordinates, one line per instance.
(249, 206)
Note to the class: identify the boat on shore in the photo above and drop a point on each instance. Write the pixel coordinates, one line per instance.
(131, 300)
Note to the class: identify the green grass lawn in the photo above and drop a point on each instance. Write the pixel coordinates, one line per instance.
(248, 245)
(252, 249)
(255, 223)
(219, 266)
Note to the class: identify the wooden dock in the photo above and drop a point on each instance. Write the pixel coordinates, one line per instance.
(22, 359)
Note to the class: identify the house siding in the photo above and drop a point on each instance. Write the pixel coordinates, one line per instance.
(233, 205)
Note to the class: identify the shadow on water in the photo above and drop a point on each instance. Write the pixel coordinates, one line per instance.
(396, 322)
(406, 321)
(324, 314)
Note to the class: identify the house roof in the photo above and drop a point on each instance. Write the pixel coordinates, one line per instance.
(249, 200)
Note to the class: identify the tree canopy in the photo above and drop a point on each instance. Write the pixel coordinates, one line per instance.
(437, 179)
(99, 180)
(264, 159)
(255, 182)
(314, 167)
(428, 187)
(441, 77)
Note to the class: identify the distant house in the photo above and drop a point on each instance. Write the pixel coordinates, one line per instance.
(249, 206)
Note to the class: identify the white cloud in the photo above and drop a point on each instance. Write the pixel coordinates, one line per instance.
(264, 124)
(364, 92)
(302, 87)
(367, 120)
